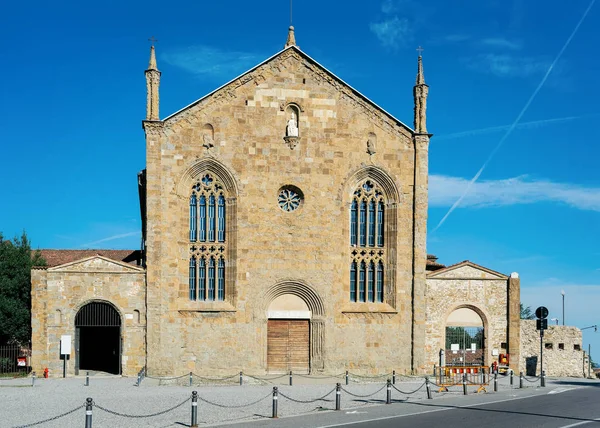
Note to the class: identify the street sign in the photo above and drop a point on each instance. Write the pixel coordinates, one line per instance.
(541, 324)
(541, 312)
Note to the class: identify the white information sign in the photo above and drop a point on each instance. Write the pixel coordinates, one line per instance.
(473, 346)
(454, 347)
(65, 344)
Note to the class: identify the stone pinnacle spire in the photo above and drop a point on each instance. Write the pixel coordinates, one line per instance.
(420, 92)
(420, 75)
(152, 85)
(291, 39)
(152, 62)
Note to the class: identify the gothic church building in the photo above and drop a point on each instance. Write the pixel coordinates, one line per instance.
(284, 228)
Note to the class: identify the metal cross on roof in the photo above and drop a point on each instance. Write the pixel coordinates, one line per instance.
(152, 40)
(420, 50)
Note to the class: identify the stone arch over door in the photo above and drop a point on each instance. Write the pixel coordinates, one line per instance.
(468, 324)
(294, 293)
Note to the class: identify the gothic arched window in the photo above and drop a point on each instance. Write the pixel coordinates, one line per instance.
(368, 252)
(208, 245)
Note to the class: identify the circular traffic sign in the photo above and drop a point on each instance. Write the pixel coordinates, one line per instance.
(541, 312)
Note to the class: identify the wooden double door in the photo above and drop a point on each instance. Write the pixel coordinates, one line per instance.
(288, 345)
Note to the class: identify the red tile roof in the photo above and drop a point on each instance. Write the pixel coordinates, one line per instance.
(60, 257)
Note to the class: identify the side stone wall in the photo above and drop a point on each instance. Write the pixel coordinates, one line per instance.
(58, 293)
(560, 361)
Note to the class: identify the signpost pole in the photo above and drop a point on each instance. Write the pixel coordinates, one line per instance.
(541, 351)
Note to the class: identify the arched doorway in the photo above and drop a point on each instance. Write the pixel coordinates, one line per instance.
(465, 338)
(98, 338)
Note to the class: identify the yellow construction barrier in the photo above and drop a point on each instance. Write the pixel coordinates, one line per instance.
(454, 376)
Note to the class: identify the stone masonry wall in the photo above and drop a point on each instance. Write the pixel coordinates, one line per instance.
(57, 295)
(568, 361)
(239, 130)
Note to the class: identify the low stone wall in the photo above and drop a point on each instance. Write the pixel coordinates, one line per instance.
(563, 354)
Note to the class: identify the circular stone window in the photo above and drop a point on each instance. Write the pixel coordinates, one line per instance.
(290, 198)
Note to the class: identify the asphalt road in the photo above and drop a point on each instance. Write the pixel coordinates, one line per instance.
(564, 404)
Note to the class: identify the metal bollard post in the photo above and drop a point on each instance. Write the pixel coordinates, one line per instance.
(543, 379)
(495, 382)
(290, 378)
(346, 377)
(338, 396)
(511, 377)
(191, 378)
(388, 398)
(88, 413)
(241, 379)
(33, 379)
(521, 380)
(464, 384)
(394, 377)
(428, 388)
(194, 423)
(87, 378)
(434, 371)
(274, 402)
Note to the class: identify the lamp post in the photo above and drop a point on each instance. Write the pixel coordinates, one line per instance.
(563, 306)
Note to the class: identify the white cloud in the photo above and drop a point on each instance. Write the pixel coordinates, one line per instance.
(111, 238)
(504, 65)
(393, 32)
(207, 60)
(523, 125)
(500, 42)
(445, 190)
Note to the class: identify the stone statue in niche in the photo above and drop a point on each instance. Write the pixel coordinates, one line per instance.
(207, 141)
(292, 125)
(371, 143)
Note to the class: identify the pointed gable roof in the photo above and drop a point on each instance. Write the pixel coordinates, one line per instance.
(468, 273)
(317, 67)
(97, 263)
(60, 257)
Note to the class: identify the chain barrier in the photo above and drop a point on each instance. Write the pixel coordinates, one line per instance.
(166, 378)
(364, 396)
(308, 401)
(267, 379)
(445, 386)
(320, 377)
(125, 415)
(535, 379)
(216, 378)
(369, 377)
(409, 393)
(52, 418)
(235, 406)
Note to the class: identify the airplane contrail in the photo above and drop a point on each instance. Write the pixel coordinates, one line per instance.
(530, 124)
(516, 122)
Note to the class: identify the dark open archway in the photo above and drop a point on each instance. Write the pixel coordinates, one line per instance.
(98, 338)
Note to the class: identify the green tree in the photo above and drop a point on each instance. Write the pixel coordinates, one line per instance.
(526, 313)
(16, 261)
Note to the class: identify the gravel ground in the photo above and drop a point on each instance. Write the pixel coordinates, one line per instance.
(22, 404)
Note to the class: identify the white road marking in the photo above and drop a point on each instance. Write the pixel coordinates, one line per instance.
(581, 423)
(559, 390)
(355, 412)
(430, 411)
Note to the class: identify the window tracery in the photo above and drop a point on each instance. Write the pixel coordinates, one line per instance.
(368, 252)
(207, 235)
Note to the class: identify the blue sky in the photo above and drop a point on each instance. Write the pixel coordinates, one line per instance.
(73, 97)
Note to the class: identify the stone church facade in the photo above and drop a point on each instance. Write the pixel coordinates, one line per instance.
(284, 228)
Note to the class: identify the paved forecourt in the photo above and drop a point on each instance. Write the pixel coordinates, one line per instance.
(118, 402)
